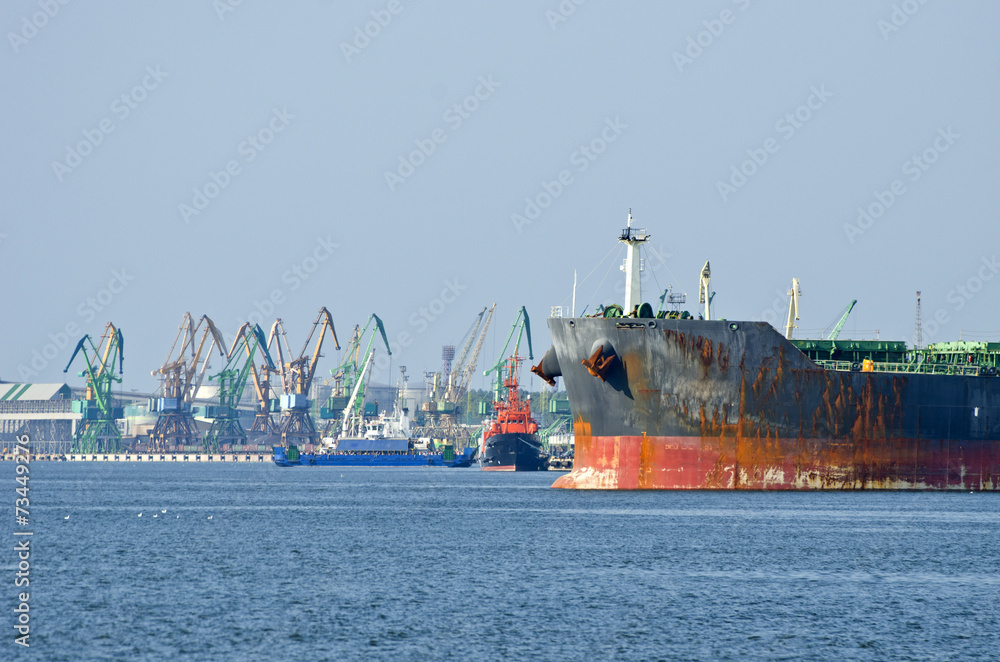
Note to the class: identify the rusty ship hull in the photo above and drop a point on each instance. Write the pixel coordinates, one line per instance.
(690, 404)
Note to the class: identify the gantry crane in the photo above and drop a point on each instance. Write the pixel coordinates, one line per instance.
(181, 377)
(226, 427)
(347, 375)
(296, 377)
(98, 431)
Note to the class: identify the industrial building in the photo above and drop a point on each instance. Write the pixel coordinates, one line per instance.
(44, 412)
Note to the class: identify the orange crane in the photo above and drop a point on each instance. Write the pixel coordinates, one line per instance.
(267, 403)
(181, 377)
(296, 378)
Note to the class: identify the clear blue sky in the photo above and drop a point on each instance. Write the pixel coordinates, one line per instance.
(120, 120)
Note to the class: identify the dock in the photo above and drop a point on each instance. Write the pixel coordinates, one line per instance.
(146, 457)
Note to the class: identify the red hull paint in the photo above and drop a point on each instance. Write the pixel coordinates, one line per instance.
(645, 462)
(509, 468)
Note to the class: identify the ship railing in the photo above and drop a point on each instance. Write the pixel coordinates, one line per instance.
(912, 368)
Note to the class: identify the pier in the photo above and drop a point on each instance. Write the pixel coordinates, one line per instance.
(145, 457)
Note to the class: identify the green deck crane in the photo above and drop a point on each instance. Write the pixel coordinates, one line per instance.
(840, 324)
(226, 427)
(98, 432)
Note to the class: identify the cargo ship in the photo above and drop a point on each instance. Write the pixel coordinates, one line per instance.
(510, 441)
(668, 401)
(358, 454)
(384, 442)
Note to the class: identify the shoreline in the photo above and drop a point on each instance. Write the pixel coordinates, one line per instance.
(144, 457)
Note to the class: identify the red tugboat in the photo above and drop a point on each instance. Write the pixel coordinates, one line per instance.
(510, 441)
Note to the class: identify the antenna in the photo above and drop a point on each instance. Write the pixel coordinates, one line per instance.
(918, 340)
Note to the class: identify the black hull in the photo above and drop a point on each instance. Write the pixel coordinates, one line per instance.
(514, 451)
(688, 404)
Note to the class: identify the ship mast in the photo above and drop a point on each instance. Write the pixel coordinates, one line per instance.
(633, 264)
(572, 312)
(512, 381)
(705, 293)
(793, 308)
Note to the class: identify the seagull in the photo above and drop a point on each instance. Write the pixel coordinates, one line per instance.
(209, 517)
(140, 514)
(154, 514)
(67, 517)
(178, 517)
(164, 511)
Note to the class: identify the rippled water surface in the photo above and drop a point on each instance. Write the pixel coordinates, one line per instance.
(321, 563)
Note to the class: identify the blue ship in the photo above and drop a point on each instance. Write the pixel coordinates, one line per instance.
(360, 453)
(370, 453)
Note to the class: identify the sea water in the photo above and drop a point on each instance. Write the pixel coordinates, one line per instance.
(256, 562)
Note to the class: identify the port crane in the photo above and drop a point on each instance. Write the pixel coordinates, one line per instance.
(296, 377)
(226, 427)
(98, 431)
(458, 386)
(263, 422)
(442, 408)
(181, 376)
(522, 325)
(347, 375)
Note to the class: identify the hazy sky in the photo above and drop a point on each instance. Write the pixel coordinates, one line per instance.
(422, 160)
